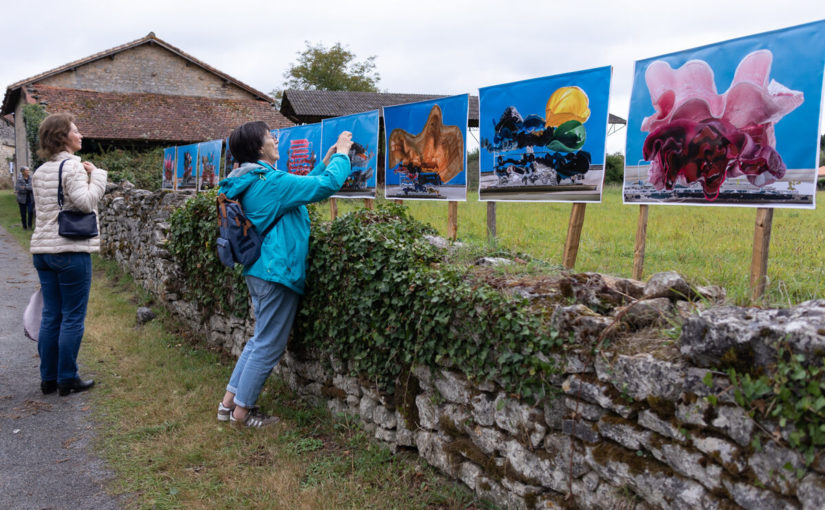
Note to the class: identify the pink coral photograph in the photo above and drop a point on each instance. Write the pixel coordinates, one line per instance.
(733, 123)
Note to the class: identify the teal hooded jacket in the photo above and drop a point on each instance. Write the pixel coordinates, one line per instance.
(268, 195)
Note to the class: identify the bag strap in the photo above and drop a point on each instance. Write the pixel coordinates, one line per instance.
(221, 209)
(60, 185)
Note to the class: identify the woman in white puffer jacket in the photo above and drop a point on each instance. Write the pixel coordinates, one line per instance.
(64, 265)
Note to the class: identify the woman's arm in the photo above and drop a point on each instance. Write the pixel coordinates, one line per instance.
(84, 185)
(297, 190)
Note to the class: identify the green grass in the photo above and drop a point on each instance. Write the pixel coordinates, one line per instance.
(708, 245)
(10, 218)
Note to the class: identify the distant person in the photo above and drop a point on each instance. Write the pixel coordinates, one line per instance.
(25, 197)
(63, 265)
(277, 199)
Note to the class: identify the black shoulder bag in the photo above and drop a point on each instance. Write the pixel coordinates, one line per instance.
(73, 224)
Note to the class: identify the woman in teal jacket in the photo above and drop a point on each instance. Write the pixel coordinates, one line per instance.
(274, 198)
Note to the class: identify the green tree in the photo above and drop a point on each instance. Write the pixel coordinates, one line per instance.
(614, 169)
(334, 68)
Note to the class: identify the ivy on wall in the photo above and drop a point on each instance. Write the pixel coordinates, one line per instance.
(33, 115)
(382, 298)
(192, 234)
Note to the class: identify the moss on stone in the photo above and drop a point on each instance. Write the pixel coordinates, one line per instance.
(449, 427)
(664, 408)
(406, 389)
(334, 392)
(607, 453)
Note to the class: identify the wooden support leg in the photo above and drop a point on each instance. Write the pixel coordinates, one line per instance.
(491, 222)
(574, 233)
(369, 203)
(333, 208)
(641, 240)
(761, 244)
(452, 220)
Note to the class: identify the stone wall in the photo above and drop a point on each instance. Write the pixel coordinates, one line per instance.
(629, 428)
(148, 68)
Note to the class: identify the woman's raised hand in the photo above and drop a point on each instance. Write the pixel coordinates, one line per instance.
(344, 143)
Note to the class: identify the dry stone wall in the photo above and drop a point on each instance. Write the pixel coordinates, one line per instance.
(629, 426)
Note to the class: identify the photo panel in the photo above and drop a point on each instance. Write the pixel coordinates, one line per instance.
(229, 162)
(169, 166)
(299, 148)
(427, 149)
(363, 155)
(209, 164)
(186, 176)
(734, 123)
(543, 139)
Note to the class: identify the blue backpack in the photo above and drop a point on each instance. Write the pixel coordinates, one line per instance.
(238, 241)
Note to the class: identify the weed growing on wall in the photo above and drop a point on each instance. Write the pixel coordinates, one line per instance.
(792, 395)
(192, 234)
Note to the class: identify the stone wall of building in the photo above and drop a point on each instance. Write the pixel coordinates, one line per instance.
(148, 68)
(628, 428)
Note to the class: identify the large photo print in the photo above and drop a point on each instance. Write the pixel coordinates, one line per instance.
(299, 148)
(427, 149)
(544, 139)
(755, 143)
(363, 154)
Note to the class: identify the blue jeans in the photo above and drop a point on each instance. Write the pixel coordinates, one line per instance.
(65, 280)
(275, 307)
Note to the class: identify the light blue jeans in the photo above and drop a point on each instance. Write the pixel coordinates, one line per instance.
(275, 307)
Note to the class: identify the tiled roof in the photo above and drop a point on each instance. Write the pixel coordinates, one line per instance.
(150, 38)
(155, 117)
(314, 105)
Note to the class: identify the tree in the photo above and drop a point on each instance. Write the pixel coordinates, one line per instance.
(614, 171)
(334, 68)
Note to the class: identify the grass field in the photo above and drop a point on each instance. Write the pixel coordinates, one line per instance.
(709, 245)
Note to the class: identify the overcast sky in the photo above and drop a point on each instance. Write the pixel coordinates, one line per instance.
(421, 46)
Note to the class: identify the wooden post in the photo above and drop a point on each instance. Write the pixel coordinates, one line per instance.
(452, 220)
(399, 202)
(333, 208)
(574, 233)
(491, 222)
(369, 203)
(639, 249)
(761, 243)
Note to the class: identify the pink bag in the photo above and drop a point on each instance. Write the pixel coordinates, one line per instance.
(31, 317)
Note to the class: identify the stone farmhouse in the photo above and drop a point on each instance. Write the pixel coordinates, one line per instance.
(140, 94)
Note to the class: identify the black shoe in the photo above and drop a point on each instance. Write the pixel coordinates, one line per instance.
(74, 385)
(48, 387)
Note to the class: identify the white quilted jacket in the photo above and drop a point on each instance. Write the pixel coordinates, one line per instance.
(81, 192)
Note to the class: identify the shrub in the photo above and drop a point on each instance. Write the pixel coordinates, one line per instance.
(614, 168)
(141, 168)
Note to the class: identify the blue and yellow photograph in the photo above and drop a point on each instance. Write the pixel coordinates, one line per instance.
(543, 139)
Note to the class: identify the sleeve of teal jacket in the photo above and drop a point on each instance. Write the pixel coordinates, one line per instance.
(321, 183)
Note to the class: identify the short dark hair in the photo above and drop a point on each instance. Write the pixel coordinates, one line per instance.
(247, 140)
(53, 134)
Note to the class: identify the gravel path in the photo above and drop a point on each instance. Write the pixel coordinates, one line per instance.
(46, 458)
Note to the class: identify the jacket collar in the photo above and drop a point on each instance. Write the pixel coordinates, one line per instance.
(60, 156)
